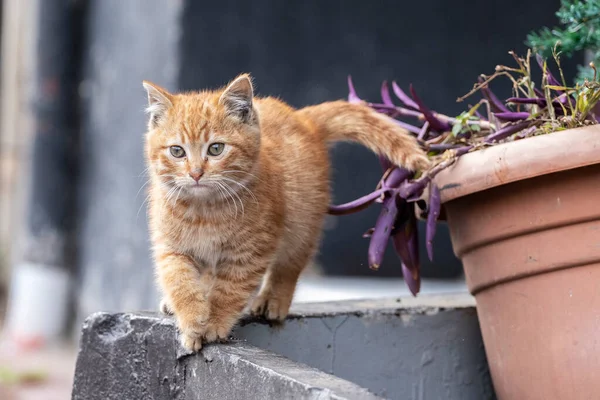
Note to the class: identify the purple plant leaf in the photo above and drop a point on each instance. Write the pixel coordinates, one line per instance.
(356, 205)
(564, 99)
(463, 150)
(495, 103)
(397, 176)
(382, 108)
(385, 95)
(512, 116)
(507, 131)
(551, 79)
(408, 127)
(434, 122)
(443, 147)
(411, 190)
(527, 100)
(404, 98)
(596, 112)
(394, 111)
(526, 132)
(381, 233)
(538, 92)
(406, 244)
(424, 131)
(435, 205)
(480, 116)
(352, 96)
(414, 285)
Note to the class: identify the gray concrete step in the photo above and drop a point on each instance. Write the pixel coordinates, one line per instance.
(428, 347)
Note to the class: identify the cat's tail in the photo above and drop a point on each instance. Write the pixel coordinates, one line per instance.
(342, 121)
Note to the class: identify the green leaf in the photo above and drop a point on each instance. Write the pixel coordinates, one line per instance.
(456, 129)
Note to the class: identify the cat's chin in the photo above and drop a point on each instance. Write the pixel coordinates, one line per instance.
(197, 187)
(198, 191)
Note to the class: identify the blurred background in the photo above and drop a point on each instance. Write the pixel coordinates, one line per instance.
(73, 230)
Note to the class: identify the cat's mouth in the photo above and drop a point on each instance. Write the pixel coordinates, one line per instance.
(195, 187)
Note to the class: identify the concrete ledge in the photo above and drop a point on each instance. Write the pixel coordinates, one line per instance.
(429, 347)
(424, 348)
(431, 303)
(137, 356)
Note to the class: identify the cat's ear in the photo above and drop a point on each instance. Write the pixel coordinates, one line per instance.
(159, 101)
(237, 98)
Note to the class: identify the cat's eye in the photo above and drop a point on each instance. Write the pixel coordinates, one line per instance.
(215, 149)
(177, 151)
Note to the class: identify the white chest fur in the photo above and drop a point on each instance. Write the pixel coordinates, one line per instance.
(202, 243)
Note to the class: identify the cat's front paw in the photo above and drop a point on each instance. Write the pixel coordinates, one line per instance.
(217, 331)
(191, 341)
(194, 336)
(192, 327)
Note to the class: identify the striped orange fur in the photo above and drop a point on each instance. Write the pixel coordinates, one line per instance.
(236, 207)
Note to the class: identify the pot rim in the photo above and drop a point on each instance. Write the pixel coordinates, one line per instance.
(506, 163)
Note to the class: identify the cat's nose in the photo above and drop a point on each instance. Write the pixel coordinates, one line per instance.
(196, 174)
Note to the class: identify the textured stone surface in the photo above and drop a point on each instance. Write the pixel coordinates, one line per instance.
(424, 348)
(137, 356)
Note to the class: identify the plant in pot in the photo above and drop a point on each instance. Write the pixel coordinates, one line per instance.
(518, 182)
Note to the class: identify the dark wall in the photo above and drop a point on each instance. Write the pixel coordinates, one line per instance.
(303, 52)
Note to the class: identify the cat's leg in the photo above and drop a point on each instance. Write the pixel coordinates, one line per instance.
(185, 287)
(275, 296)
(230, 293)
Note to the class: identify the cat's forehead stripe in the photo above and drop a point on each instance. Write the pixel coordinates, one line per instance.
(194, 122)
(206, 112)
(205, 133)
(182, 136)
(186, 129)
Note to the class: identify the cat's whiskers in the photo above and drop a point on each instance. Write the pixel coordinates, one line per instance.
(242, 186)
(171, 192)
(142, 187)
(168, 187)
(227, 190)
(178, 193)
(176, 198)
(239, 171)
(163, 184)
(144, 172)
(148, 195)
(234, 192)
(224, 195)
(137, 215)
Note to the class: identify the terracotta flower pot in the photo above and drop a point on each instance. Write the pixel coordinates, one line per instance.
(524, 218)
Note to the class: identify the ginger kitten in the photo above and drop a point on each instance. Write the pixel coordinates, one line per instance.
(239, 190)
